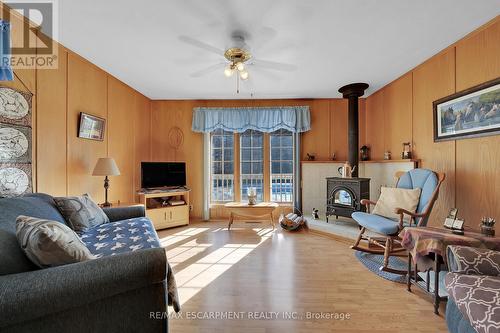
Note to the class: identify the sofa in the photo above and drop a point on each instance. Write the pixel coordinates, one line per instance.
(117, 292)
(473, 286)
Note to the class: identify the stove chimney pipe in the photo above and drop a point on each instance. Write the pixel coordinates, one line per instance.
(352, 92)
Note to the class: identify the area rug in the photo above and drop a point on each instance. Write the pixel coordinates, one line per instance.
(374, 261)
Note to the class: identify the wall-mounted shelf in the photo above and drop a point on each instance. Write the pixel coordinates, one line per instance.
(370, 161)
(323, 161)
(391, 161)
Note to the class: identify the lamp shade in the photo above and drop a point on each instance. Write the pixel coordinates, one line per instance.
(106, 166)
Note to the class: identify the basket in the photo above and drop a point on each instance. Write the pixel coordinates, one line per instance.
(292, 222)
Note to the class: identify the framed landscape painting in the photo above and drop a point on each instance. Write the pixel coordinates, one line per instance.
(470, 113)
(91, 127)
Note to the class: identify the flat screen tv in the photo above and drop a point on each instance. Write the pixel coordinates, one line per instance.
(163, 174)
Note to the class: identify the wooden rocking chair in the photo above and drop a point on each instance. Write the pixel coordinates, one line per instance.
(429, 183)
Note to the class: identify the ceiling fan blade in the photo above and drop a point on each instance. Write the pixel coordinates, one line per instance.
(264, 73)
(201, 45)
(208, 70)
(273, 65)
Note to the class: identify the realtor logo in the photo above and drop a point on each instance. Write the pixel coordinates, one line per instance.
(33, 31)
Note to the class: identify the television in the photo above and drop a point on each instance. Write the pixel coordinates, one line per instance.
(163, 174)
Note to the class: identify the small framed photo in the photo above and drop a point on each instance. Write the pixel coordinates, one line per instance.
(448, 223)
(451, 220)
(91, 127)
(458, 224)
(453, 213)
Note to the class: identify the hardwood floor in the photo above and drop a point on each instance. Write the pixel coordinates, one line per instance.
(254, 269)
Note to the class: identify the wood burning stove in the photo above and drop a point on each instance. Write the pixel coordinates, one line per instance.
(344, 195)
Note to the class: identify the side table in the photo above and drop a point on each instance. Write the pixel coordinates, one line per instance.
(427, 248)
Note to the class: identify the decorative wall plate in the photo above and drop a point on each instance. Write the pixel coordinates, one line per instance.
(14, 181)
(175, 137)
(14, 144)
(15, 106)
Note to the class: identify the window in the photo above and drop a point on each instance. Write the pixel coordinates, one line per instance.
(264, 161)
(222, 159)
(281, 146)
(251, 163)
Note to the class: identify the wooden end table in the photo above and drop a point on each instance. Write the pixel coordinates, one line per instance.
(243, 209)
(427, 248)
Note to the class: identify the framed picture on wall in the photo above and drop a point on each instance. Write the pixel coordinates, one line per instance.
(91, 127)
(469, 113)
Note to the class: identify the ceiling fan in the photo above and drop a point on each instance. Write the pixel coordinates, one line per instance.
(238, 59)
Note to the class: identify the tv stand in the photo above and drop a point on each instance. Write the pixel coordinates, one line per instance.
(160, 212)
(163, 189)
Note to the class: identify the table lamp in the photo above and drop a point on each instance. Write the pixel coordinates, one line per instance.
(106, 166)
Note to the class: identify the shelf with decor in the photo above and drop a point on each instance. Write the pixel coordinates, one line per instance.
(323, 161)
(416, 161)
(392, 161)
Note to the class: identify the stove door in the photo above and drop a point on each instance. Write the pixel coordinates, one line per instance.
(344, 198)
(341, 196)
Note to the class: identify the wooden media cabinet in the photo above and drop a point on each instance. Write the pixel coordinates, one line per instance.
(161, 212)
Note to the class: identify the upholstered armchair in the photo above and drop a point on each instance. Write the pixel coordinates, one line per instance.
(388, 229)
(472, 285)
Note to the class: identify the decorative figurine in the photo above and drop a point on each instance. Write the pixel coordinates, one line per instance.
(387, 155)
(311, 157)
(365, 153)
(315, 214)
(252, 196)
(334, 157)
(406, 154)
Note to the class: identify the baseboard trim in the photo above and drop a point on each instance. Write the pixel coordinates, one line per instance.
(341, 239)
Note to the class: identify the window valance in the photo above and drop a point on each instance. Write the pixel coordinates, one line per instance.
(265, 119)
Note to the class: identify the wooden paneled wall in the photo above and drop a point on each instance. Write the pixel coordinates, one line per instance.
(62, 162)
(402, 111)
(328, 134)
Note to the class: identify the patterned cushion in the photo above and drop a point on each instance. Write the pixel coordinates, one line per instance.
(121, 236)
(49, 243)
(81, 213)
(477, 297)
(471, 260)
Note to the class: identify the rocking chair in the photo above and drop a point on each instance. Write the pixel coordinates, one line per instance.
(429, 183)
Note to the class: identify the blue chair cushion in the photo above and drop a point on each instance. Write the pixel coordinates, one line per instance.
(376, 223)
(424, 179)
(119, 237)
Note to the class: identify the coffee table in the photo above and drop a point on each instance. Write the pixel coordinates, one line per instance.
(243, 209)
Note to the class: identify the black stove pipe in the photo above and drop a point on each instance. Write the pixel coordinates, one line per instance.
(352, 92)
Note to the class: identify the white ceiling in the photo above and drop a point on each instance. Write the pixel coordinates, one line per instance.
(332, 42)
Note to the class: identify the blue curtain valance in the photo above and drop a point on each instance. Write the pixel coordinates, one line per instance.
(265, 119)
(6, 73)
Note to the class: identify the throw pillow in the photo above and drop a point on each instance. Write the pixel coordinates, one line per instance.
(49, 243)
(392, 198)
(81, 213)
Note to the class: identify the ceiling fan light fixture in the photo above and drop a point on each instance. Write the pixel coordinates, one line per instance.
(229, 71)
(240, 66)
(244, 75)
